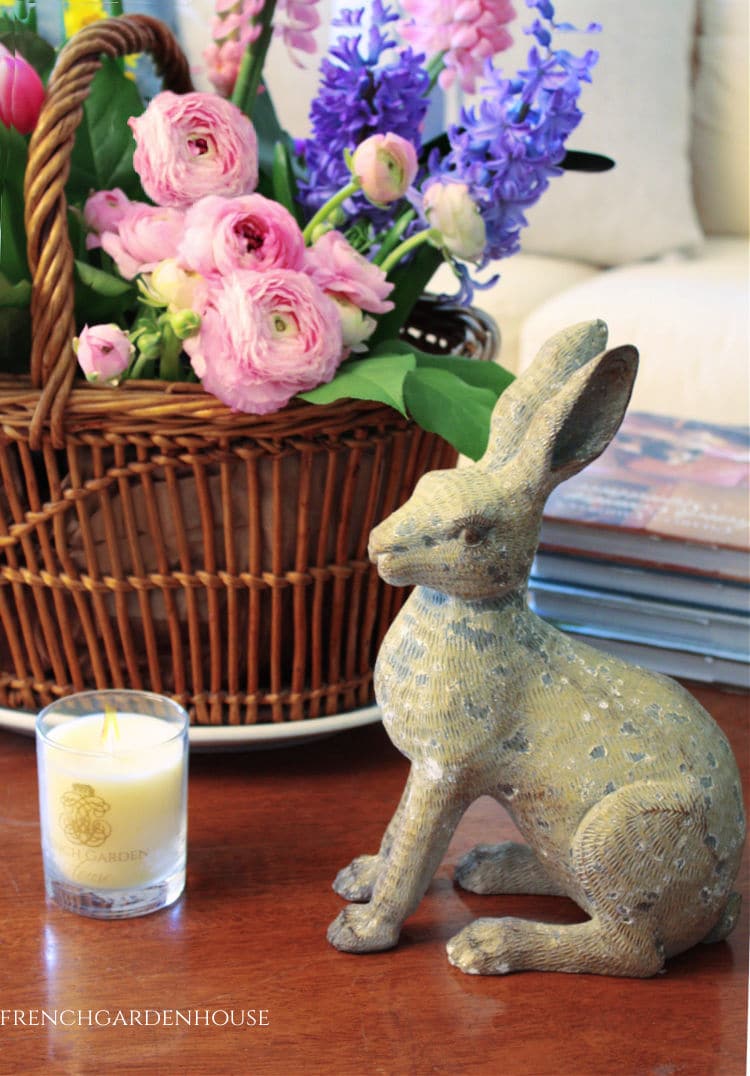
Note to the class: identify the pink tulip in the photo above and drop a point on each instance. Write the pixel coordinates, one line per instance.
(385, 165)
(103, 352)
(21, 92)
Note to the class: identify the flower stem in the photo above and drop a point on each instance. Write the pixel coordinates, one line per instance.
(434, 69)
(325, 210)
(169, 360)
(408, 244)
(393, 236)
(251, 69)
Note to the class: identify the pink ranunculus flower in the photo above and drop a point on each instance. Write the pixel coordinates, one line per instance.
(102, 212)
(21, 92)
(343, 272)
(453, 213)
(264, 337)
(103, 352)
(145, 235)
(249, 232)
(385, 165)
(193, 144)
(466, 32)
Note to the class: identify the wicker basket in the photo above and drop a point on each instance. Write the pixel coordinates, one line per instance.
(152, 538)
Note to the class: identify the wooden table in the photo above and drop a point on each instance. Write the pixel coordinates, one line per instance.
(268, 830)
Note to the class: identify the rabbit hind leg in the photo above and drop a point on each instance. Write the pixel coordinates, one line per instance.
(505, 868)
(630, 857)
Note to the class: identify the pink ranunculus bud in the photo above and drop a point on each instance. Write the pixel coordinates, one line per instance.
(145, 235)
(356, 326)
(102, 212)
(344, 273)
(193, 144)
(21, 92)
(249, 232)
(172, 286)
(385, 165)
(103, 351)
(453, 213)
(264, 337)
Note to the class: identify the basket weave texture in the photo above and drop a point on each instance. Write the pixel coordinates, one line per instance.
(152, 538)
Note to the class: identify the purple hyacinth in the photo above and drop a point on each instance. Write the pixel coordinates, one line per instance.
(367, 87)
(509, 147)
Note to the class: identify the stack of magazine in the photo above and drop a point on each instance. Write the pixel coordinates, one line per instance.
(646, 553)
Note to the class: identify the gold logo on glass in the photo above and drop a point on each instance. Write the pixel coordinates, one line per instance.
(82, 820)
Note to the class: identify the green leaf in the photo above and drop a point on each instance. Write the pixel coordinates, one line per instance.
(14, 295)
(13, 154)
(103, 283)
(101, 297)
(445, 404)
(268, 129)
(102, 156)
(284, 183)
(19, 38)
(379, 379)
(409, 281)
(15, 339)
(487, 375)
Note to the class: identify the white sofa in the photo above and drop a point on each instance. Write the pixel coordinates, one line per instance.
(659, 246)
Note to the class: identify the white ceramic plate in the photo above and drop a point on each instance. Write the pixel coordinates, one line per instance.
(237, 737)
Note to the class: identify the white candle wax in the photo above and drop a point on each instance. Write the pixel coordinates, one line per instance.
(113, 798)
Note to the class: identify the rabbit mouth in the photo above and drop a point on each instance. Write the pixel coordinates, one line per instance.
(391, 567)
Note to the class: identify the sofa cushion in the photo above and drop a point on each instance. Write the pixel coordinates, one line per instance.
(526, 281)
(720, 117)
(688, 317)
(637, 110)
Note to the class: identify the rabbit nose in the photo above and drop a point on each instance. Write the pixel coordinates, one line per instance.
(381, 541)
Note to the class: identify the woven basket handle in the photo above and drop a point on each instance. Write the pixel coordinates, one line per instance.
(50, 254)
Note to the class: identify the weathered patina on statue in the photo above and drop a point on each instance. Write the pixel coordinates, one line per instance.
(624, 788)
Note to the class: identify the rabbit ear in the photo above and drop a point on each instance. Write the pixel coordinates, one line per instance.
(577, 424)
(558, 359)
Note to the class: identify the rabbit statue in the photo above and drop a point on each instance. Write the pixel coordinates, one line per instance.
(624, 789)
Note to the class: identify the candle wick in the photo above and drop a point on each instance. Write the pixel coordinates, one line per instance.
(110, 727)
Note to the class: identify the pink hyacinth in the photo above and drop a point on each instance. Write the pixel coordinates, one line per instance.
(296, 21)
(469, 32)
(234, 26)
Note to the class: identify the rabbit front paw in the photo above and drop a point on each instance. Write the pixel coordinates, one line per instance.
(475, 950)
(359, 929)
(357, 881)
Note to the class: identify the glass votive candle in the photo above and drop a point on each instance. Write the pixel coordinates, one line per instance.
(112, 769)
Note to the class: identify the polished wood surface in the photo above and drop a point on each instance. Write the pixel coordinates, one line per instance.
(268, 831)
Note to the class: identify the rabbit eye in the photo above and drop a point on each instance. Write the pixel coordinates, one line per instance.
(474, 534)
